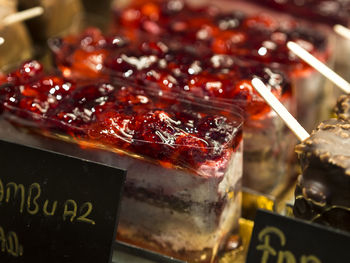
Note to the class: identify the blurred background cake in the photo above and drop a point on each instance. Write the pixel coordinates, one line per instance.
(15, 42)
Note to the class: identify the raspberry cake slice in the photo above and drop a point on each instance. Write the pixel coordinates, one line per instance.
(184, 162)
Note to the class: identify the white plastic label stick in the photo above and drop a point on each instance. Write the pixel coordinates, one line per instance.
(342, 31)
(278, 107)
(22, 16)
(319, 66)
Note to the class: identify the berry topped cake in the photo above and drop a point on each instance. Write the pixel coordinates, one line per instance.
(230, 30)
(325, 11)
(184, 161)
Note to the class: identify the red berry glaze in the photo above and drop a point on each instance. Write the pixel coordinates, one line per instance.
(135, 120)
(325, 11)
(170, 46)
(233, 33)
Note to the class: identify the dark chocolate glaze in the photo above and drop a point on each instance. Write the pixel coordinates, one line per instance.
(323, 191)
(342, 108)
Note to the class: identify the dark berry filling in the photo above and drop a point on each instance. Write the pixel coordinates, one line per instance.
(166, 129)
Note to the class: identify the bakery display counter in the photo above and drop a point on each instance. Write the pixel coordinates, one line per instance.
(163, 91)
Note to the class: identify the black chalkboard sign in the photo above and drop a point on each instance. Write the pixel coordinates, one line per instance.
(282, 239)
(56, 208)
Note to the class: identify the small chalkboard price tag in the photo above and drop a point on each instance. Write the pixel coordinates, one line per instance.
(56, 208)
(280, 239)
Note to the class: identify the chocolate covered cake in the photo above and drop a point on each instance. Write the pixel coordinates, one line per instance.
(322, 194)
(342, 108)
(184, 162)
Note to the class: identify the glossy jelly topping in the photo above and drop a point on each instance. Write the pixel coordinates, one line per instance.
(169, 67)
(133, 120)
(259, 37)
(170, 46)
(325, 11)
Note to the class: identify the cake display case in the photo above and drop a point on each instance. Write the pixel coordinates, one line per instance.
(164, 92)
